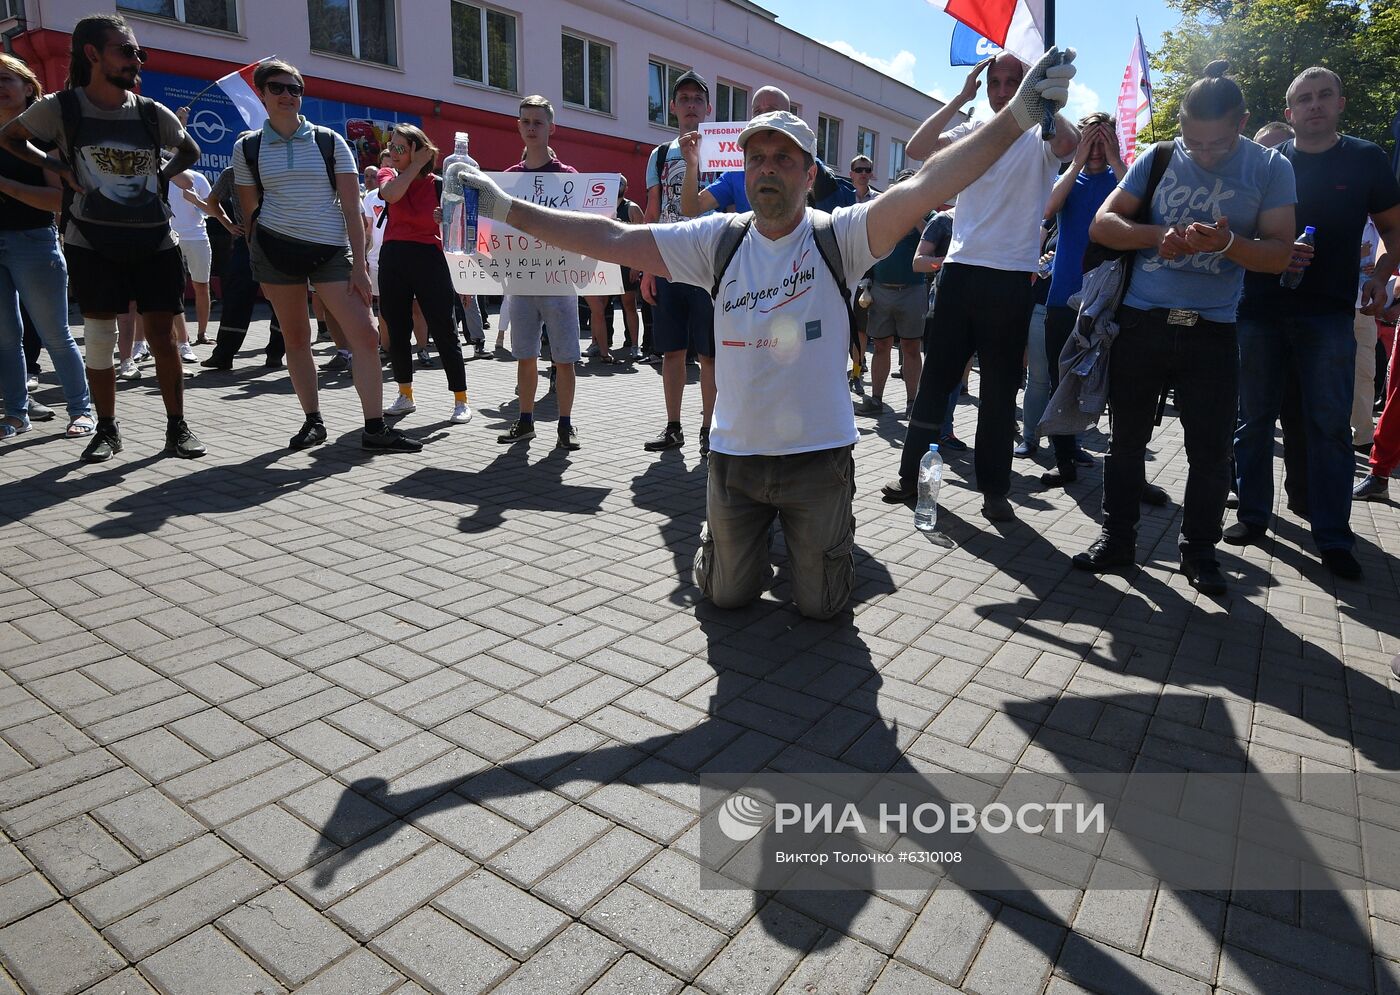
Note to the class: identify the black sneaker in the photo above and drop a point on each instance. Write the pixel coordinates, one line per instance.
(1244, 534)
(897, 491)
(1154, 496)
(1106, 554)
(1342, 563)
(424, 359)
(996, 508)
(181, 442)
(312, 433)
(671, 438)
(519, 432)
(704, 443)
(1204, 576)
(481, 352)
(568, 439)
(1061, 476)
(217, 362)
(103, 446)
(339, 363)
(390, 440)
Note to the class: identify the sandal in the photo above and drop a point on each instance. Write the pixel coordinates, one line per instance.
(81, 426)
(8, 430)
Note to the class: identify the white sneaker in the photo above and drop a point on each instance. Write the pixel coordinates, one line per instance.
(32, 383)
(403, 405)
(461, 414)
(129, 370)
(187, 353)
(141, 355)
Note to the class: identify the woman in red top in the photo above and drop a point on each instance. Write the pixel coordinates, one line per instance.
(411, 265)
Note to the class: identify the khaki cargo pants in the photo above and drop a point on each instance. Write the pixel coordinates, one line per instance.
(810, 493)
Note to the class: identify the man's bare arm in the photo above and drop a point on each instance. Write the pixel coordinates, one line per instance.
(591, 235)
(15, 139)
(186, 155)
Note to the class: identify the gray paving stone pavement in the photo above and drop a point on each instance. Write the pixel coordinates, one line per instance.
(329, 723)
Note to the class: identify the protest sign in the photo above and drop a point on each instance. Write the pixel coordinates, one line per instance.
(510, 262)
(719, 146)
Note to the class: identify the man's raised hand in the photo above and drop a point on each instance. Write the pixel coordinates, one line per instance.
(1044, 87)
(491, 200)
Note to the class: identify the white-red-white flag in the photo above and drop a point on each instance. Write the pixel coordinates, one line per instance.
(1016, 25)
(238, 87)
(1134, 97)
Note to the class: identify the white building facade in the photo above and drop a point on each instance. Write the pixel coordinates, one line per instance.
(451, 65)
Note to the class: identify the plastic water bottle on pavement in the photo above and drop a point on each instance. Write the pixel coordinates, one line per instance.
(458, 201)
(1290, 279)
(930, 476)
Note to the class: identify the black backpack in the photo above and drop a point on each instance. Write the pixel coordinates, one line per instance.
(827, 247)
(120, 243)
(290, 256)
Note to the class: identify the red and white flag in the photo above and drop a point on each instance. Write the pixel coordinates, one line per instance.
(1016, 25)
(1134, 97)
(238, 87)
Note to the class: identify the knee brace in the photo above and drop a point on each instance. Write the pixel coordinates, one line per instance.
(99, 339)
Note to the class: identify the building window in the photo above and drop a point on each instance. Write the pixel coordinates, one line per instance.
(661, 78)
(865, 143)
(11, 8)
(361, 29)
(219, 14)
(796, 109)
(731, 103)
(587, 73)
(828, 138)
(483, 46)
(896, 157)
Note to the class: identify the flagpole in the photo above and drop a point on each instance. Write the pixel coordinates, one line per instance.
(1151, 124)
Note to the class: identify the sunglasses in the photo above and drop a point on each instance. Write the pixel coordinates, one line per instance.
(863, 169)
(399, 149)
(130, 51)
(277, 89)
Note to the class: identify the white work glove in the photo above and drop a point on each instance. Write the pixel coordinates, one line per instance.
(491, 200)
(1045, 86)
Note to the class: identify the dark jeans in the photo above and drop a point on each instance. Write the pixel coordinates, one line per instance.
(1322, 349)
(239, 297)
(416, 269)
(979, 311)
(1200, 364)
(1059, 323)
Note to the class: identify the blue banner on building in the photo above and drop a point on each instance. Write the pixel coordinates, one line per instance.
(215, 123)
(969, 48)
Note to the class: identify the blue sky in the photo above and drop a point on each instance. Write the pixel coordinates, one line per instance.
(880, 34)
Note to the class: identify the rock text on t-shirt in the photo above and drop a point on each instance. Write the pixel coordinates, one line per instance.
(1179, 202)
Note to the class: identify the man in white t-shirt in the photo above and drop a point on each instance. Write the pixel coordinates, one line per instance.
(985, 290)
(187, 221)
(371, 208)
(783, 427)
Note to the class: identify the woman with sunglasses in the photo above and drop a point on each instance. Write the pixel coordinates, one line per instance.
(304, 230)
(33, 274)
(412, 268)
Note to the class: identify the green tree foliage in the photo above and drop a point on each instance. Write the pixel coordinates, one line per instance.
(1269, 41)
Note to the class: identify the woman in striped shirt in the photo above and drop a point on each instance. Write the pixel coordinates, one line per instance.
(308, 229)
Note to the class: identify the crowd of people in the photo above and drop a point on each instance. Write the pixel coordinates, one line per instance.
(1036, 252)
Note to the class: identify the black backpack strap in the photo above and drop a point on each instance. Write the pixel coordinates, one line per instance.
(251, 144)
(830, 249)
(325, 141)
(1161, 159)
(146, 109)
(735, 229)
(71, 116)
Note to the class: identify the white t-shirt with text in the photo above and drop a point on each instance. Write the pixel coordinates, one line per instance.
(371, 207)
(782, 335)
(997, 223)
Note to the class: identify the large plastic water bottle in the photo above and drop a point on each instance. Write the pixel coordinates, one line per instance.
(1290, 280)
(458, 201)
(930, 476)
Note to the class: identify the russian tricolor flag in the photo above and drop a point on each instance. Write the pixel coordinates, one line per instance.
(238, 87)
(1016, 25)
